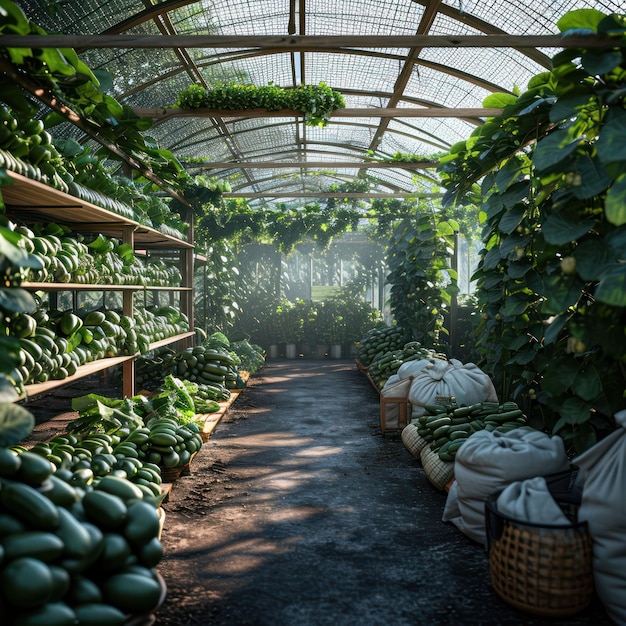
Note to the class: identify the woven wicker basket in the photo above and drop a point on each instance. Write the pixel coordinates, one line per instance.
(542, 570)
(438, 472)
(412, 440)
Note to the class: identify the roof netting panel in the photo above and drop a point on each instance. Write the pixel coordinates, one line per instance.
(394, 96)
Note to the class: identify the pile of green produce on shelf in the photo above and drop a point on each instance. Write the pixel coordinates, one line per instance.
(378, 341)
(206, 366)
(387, 363)
(248, 356)
(53, 344)
(69, 257)
(28, 149)
(157, 431)
(72, 552)
(446, 429)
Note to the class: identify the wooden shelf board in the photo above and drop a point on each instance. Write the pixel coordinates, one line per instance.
(92, 287)
(81, 372)
(173, 339)
(36, 199)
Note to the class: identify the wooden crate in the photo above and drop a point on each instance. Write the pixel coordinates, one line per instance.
(404, 411)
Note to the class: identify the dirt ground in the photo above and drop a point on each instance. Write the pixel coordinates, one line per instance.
(298, 512)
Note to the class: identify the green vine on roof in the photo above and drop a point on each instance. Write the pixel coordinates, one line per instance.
(315, 102)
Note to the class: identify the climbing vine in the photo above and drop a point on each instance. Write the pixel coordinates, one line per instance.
(552, 277)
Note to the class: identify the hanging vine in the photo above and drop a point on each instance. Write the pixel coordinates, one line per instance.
(552, 277)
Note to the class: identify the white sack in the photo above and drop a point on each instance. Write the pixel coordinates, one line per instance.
(489, 461)
(409, 369)
(394, 387)
(602, 469)
(530, 500)
(466, 382)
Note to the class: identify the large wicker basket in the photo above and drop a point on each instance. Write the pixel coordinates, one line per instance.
(412, 440)
(539, 569)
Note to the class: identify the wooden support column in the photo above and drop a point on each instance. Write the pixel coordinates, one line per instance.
(128, 368)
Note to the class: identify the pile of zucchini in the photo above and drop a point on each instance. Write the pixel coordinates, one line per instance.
(445, 430)
(53, 344)
(74, 554)
(378, 341)
(206, 366)
(388, 363)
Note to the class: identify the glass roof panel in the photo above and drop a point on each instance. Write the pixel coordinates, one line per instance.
(453, 77)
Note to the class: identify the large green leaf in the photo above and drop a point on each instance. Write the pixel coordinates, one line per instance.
(593, 178)
(516, 304)
(588, 383)
(575, 410)
(523, 357)
(499, 100)
(568, 108)
(16, 300)
(554, 329)
(615, 203)
(560, 375)
(559, 229)
(511, 219)
(611, 144)
(598, 62)
(560, 293)
(16, 423)
(612, 288)
(580, 18)
(554, 149)
(593, 258)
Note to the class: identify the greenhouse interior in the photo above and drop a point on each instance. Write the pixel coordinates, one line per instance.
(250, 250)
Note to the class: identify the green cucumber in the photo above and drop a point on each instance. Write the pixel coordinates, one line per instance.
(29, 505)
(43, 545)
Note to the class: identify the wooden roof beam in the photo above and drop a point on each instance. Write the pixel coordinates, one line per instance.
(307, 43)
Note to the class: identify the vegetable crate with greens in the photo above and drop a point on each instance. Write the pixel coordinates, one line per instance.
(72, 554)
(157, 431)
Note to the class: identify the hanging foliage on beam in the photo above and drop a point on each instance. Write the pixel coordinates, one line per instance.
(315, 102)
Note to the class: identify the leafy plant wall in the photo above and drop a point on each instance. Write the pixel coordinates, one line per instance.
(552, 277)
(422, 281)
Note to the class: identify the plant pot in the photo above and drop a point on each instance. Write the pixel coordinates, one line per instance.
(321, 350)
(290, 351)
(335, 351)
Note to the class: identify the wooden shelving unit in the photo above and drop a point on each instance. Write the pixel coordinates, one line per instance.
(31, 201)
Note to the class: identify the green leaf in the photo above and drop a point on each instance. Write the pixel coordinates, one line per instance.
(523, 357)
(553, 149)
(612, 287)
(515, 305)
(559, 375)
(593, 178)
(16, 423)
(598, 62)
(561, 293)
(611, 144)
(17, 300)
(593, 258)
(588, 383)
(559, 228)
(499, 100)
(575, 410)
(568, 108)
(580, 18)
(615, 202)
(511, 219)
(554, 329)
